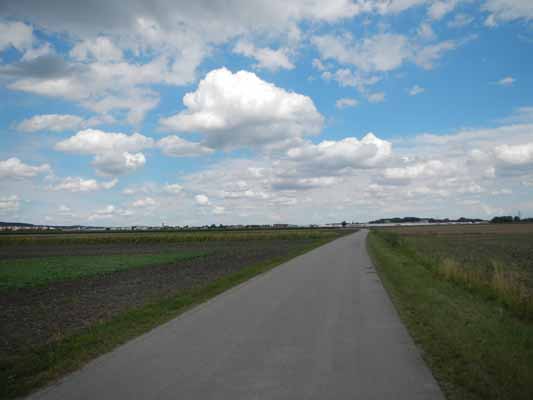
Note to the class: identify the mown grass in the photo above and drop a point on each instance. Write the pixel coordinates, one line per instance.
(21, 374)
(477, 347)
(24, 272)
(167, 237)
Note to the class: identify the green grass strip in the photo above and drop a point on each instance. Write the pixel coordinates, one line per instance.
(476, 348)
(24, 373)
(23, 272)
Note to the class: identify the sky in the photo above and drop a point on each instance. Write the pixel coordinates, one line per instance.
(261, 112)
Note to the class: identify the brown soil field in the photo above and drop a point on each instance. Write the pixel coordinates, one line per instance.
(478, 246)
(35, 316)
(470, 229)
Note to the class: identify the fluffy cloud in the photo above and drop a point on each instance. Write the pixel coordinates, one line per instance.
(61, 122)
(118, 163)
(368, 152)
(13, 168)
(427, 56)
(346, 102)
(101, 48)
(147, 202)
(201, 200)
(394, 6)
(239, 109)
(93, 141)
(99, 86)
(266, 58)
(424, 169)
(115, 153)
(177, 147)
(507, 10)
(37, 52)
(77, 184)
(425, 32)
(15, 34)
(171, 39)
(51, 122)
(381, 53)
(519, 154)
(346, 77)
(215, 22)
(9, 204)
(173, 188)
(439, 9)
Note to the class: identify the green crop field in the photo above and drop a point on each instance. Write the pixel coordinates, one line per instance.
(23, 272)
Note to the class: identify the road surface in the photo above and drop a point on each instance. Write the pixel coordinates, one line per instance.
(320, 326)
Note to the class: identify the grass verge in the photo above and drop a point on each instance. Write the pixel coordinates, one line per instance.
(23, 272)
(476, 347)
(22, 374)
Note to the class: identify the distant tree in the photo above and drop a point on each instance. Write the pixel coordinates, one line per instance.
(344, 223)
(502, 220)
(517, 219)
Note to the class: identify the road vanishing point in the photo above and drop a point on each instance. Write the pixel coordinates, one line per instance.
(320, 326)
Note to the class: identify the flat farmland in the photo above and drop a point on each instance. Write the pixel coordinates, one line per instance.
(466, 294)
(61, 292)
(480, 247)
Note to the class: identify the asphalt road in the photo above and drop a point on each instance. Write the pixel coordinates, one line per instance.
(318, 327)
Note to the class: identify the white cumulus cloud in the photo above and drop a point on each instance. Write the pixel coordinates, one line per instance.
(115, 153)
(51, 122)
(118, 163)
(146, 202)
(15, 169)
(422, 169)
(173, 188)
(201, 199)
(177, 147)
(93, 141)
(507, 10)
(266, 57)
(78, 184)
(15, 34)
(519, 154)
(239, 109)
(101, 48)
(382, 52)
(368, 152)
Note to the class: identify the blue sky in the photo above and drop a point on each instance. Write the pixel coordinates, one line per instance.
(264, 112)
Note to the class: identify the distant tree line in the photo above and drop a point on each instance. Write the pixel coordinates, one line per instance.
(507, 219)
(404, 220)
